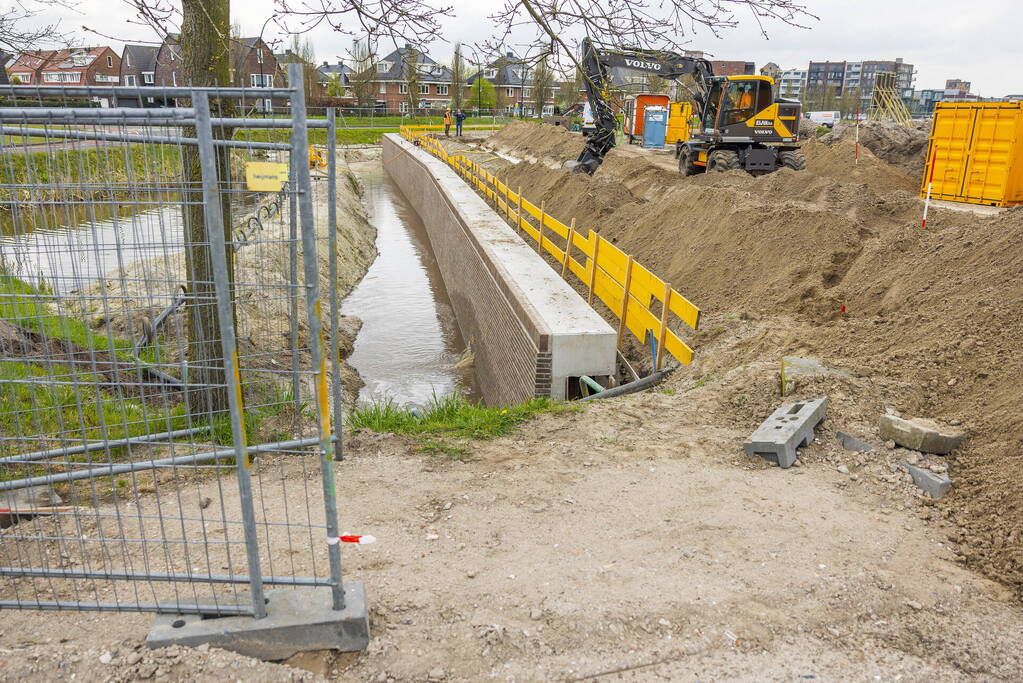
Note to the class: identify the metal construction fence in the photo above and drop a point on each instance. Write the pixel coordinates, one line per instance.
(605, 270)
(170, 388)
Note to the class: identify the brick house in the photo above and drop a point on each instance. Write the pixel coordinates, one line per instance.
(392, 83)
(253, 65)
(138, 70)
(73, 66)
(513, 85)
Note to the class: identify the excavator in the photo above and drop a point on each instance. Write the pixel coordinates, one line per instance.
(742, 124)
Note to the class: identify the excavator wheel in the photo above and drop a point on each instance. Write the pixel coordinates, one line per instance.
(686, 166)
(794, 160)
(723, 160)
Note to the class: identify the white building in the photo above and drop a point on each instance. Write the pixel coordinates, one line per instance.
(792, 83)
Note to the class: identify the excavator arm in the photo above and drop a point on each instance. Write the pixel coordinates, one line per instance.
(596, 64)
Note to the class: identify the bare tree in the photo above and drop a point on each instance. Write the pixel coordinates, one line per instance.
(458, 78)
(410, 71)
(206, 52)
(363, 77)
(543, 85)
(22, 28)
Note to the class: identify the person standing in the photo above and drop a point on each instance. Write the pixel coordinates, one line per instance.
(459, 118)
(447, 123)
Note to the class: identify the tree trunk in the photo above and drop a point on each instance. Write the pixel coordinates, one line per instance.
(205, 44)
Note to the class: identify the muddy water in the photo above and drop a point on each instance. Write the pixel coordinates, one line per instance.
(409, 342)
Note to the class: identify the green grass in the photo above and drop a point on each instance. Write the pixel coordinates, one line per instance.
(30, 307)
(439, 447)
(115, 164)
(37, 400)
(450, 416)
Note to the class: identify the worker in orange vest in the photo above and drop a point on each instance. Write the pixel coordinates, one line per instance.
(447, 123)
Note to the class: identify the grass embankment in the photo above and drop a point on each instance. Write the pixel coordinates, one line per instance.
(450, 417)
(109, 171)
(46, 403)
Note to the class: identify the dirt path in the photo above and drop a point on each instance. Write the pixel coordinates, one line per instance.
(631, 538)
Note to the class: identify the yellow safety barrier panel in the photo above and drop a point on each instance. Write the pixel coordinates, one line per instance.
(606, 271)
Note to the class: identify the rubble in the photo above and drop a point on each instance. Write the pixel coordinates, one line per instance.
(920, 434)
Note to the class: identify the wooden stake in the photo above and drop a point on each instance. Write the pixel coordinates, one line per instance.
(593, 265)
(664, 327)
(625, 300)
(568, 250)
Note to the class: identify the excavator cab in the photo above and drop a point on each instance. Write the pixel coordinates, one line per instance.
(744, 127)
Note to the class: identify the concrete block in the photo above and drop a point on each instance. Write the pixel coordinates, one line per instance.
(788, 428)
(934, 484)
(298, 620)
(851, 443)
(794, 367)
(920, 434)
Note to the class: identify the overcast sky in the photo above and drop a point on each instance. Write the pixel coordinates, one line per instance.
(978, 41)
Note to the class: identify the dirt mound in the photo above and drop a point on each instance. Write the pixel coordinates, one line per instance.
(901, 146)
(537, 140)
(931, 311)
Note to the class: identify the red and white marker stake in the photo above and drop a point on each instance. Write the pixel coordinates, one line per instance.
(351, 538)
(930, 182)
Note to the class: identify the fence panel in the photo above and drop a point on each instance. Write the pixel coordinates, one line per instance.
(166, 297)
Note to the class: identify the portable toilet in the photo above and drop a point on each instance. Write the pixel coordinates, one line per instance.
(635, 105)
(655, 126)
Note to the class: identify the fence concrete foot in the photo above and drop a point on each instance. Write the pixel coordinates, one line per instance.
(788, 428)
(298, 620)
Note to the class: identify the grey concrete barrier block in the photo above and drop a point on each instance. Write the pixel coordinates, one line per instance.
(298, 620)
(920, 434)
(934, 484)
(851, 443)
(788, 428)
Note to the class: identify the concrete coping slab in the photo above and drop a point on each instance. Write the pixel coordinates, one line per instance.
(920, 434)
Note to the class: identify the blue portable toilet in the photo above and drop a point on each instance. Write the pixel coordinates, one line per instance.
(655, 126)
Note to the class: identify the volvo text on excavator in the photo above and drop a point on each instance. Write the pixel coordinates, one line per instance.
(742, 124)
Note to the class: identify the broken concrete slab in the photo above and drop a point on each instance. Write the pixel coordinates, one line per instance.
(920, 434)
(933, 484)
(298, 620)
(851, 443)
(795, 367)
(788, 428)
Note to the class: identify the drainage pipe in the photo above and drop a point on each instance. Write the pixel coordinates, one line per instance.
(647, 382)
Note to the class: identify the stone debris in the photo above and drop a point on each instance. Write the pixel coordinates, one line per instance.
(851, 443)
(795, 367)
(920, 434)
(933, 484)
(788, 428)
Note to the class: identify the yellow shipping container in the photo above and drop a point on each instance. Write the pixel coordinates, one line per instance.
(975, 153)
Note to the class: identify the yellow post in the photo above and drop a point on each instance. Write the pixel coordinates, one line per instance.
(518, 211)
(625, 299)
(593, 265)
(568, 249)
(664, 327)
(543, 211)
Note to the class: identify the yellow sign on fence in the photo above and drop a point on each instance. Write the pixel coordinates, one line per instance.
(265, 176)
(606, 270)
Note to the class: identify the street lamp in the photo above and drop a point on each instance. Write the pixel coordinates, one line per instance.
(262, 78)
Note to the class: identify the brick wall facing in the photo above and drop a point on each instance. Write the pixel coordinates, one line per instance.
(512, 359)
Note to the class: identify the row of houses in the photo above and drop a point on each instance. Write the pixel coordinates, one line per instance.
(255, 66)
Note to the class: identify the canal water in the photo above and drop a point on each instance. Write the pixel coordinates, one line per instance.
(409, 345)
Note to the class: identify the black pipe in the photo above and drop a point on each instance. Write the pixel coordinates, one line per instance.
(651, 380)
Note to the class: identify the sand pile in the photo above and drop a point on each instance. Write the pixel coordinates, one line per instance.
(930, 311)
(901, 146)
(535, 140)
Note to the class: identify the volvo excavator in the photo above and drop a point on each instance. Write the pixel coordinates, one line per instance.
(742, 124)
